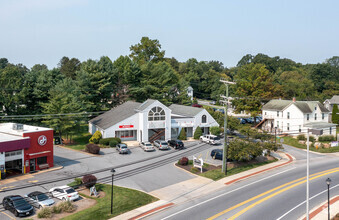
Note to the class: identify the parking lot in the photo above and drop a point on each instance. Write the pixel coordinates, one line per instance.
(75, 163)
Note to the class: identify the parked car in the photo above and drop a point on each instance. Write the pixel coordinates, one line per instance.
(17, 205)
(162, 145)
(64, 193)
(39, 199)
(217, 154)
(147, 146)
(242, 120)
(197, 105)
(177, 144)
(210, 139)
(212, 102)
(122, 148)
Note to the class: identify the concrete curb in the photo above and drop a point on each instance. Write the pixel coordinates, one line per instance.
(189, 171)
(320, 212)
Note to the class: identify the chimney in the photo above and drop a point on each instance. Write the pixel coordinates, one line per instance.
(293, 99)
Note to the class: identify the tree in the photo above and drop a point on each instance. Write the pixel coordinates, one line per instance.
(3, 62)
(146, 51)
(95, 137)
(240, 150)
(182, 135)
(333, 61)
(68, 67)
(335, 114)
(215, 130)
(197, 133)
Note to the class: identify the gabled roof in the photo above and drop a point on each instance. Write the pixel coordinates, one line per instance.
(116, 115)
(304, 106)
(185, 110)
(145, 104)
(334, 99)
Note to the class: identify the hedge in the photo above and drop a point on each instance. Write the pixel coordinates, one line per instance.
(106, 141)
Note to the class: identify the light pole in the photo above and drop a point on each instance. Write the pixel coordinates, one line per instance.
(112, 171)
(328, 181)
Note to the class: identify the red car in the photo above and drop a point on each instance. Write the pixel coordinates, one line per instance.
(197, 105)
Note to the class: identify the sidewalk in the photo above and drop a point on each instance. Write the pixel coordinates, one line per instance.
(321, 212)
(190, 189)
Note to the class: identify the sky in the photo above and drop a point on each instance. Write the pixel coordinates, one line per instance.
(43, 31)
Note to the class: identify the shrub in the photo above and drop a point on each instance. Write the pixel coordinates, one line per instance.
(312, 138)
(326, 138)
(194, 170)
(66, 206)
(215, 130)
(197, 133)
(56, 209)
(113, 143)
(76, 183)
(335, 115)
(45, 213)
(106, 141)
(182, 135)
(89, 180)
(92, 148)
(95, 138)
(183, 161)
(301, 137)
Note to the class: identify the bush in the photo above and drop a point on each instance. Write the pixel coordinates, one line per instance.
(66, 206)
(113, 143)
(183, 161)
(106, 141)
(76, 183)
(95, 138)
(45, 213)
(197, 133)
(56, 209)
(326, 138)
(301, 137)
(312, 139)
(182, 135)
(92, 148)
(89, 180)
(215, 130)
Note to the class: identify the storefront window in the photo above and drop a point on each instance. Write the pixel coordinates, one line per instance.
(41, 160)
(156, 114)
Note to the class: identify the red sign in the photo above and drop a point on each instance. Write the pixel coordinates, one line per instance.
(126, 126)
(42, 140)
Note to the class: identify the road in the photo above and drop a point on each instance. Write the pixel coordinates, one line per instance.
(276, 194)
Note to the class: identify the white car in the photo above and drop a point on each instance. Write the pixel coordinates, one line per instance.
(210, 139)
(147, 146)
(64, 193)
(39, 199)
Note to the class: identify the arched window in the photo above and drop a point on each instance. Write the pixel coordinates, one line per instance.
(156, 114)
(203, 119)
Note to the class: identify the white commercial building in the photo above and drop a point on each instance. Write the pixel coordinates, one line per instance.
(150, 121)
(294, 117)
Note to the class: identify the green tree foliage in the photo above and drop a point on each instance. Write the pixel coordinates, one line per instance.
(197, 133)
(240, 150)
(182, 135)
(335, 114)
(146, 51)
(95, 137)
(68, 67)
(215, 130)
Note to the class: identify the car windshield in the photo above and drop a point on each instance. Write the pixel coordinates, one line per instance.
(69, 191)
(148, 145)
(163, 143)
(42, 197)
(216, 138)
(19, 202)
(179, 142)
(124, 146)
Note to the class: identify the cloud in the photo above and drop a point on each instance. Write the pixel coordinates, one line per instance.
(17, 8)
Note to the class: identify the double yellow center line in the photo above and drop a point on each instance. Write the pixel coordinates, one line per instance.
(278, 190)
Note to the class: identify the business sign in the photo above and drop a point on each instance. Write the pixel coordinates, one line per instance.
(42, 140)
(198, 163)
(126, 126)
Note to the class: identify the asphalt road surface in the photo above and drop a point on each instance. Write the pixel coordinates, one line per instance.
(276, 194)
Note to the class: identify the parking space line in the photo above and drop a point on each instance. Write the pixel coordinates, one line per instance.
(8, 215)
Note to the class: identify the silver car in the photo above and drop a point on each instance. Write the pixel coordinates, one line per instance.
(162, 145)
(122, 148)
(39, 199)
(147, 146)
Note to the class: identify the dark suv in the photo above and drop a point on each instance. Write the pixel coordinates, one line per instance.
(17, 205)
(177, 144)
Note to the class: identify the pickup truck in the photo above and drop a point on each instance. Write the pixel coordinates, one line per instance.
(210, 139)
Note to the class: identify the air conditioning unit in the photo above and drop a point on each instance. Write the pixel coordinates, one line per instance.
(18, 127)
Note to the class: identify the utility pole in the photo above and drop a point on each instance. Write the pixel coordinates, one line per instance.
(308, 176)
(225, 101)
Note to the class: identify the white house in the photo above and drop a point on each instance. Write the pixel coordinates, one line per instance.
(328, 103)
(294, 117)
(150, 121)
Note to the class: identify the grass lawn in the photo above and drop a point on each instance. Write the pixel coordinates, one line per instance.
(124, 200)
(217, 174)
(295, 143)
(80, 141)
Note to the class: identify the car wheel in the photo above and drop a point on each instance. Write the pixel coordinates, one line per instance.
(16, 213)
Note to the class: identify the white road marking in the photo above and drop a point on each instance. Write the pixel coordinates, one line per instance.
(325, 191)
(226, 194)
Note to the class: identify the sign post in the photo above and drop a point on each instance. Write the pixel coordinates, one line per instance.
(198, 162)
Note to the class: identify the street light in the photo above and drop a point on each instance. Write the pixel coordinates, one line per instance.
(112, 171)
(328, 181)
